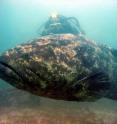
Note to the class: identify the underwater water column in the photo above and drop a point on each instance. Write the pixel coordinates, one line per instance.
(20, 22)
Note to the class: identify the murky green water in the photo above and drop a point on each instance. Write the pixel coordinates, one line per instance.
(20, 22)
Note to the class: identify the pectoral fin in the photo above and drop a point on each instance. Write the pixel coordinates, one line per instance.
(94, 83)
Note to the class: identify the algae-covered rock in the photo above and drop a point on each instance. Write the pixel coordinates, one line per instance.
(61, 66)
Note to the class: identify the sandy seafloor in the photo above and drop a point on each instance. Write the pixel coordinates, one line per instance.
(19, 107)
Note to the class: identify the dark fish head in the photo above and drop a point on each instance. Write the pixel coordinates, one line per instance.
(36, 78)
(10, 75)
(23, 77)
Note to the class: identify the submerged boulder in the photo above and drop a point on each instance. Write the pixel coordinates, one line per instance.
(61, 66)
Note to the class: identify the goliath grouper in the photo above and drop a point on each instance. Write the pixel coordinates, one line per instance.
(60, 66)
(61, 63)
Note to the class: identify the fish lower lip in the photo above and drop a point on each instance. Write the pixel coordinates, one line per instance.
(7, 66)
(2, 67)
(6, 71)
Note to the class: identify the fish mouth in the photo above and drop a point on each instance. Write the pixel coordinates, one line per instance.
(8, 73)
(17, 78)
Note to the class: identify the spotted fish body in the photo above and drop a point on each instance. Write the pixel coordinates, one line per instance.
(61, 66)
